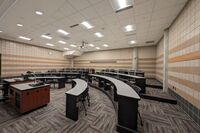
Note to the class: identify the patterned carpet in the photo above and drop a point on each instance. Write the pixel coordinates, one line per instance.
(161, 117)
(157, 117)
(157, 92)
(101, 117)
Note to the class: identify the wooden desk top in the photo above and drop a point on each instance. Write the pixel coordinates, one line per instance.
(123, 89)
(26, 86)
(79, 88)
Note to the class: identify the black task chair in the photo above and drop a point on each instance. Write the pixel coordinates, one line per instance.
(3, 96)
(82, 99)
(137, 89)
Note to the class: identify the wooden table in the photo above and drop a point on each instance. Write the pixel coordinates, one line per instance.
(26, 98)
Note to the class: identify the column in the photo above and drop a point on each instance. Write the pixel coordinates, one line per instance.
(135, 59)
(165, 60)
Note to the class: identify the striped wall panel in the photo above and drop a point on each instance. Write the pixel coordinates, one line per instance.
(148, 65)
(20, 58)
(104, 64)
(184, 54)
(159, 61)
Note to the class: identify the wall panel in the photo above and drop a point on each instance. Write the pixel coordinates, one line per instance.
(147, 60)
(159, 60)
(17, 58)
(109, 59)
(184, 54)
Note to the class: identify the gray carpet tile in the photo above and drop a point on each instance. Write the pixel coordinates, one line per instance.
(101, 117)
(157, 117)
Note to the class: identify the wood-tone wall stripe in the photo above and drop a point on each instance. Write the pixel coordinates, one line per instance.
(191, 56)
(103, 63)
(153, 59)
(159, 62)
(147, 71)
(190, 84)
(28, 69)
(147, 67)
(187, 97)
(103, 67)
(146, 63)
(159, 73)
(159, 68)
(35, 61)
(192, 41)
(31, 57)
(186, 70)
(159, 56)
(30, 65)
(103, 60)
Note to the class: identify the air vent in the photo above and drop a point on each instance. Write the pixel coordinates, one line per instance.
(48, 34)
(149, 42)
(131, 34)
(65, 37)
(4, 6)
(75, 25)
(97, 40)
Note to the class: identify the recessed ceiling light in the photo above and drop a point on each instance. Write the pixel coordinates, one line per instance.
(97, 47)
(72, 45)
(19, 25)
(119, 5)
(105, 45)
(47, 37)
(66, 48)
(128, 28)
(49, 44)
(39, 13)
(98, 34)
(1, 31)
(132, 42)
(62, 42)
(87, 24)
(62, 32)
(24, 38)
(91, 45)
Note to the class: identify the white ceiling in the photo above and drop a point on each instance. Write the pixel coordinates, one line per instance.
(150, 17)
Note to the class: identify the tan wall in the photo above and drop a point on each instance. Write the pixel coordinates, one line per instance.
(18, 58)
(159, 60)
(184, 54)
(147, 60)
(119, 59)
(116, 59)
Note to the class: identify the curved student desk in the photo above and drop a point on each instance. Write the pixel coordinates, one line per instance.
(78, 87)
(139, 81)
(127, 103)
(79, 90)
(26, 97)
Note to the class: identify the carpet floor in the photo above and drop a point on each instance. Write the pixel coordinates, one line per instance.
(157, 117)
